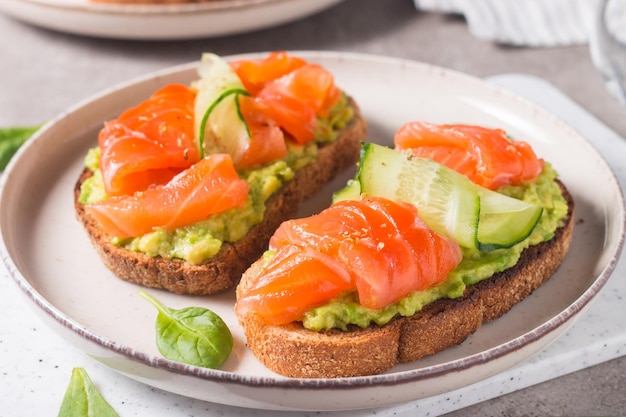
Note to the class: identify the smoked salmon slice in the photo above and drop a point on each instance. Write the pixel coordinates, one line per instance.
(208, 187)
(150, 143)
(295, 100)
(267, 141)
(375, 247)
(296, 279)
(255, 73)
(486, 156)
(292, 91)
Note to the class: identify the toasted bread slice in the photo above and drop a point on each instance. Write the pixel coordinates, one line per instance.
(295, 351)
(224, 269)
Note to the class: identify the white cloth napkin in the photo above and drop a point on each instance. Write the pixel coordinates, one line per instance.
(534, 23)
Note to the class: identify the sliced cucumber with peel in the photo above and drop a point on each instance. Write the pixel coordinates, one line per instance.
(504, 221)
(448, 202)
(352, 191)
(220, 126)
(443, 199)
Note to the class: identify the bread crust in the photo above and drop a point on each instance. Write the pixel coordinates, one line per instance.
(224, 270)
(295, 351)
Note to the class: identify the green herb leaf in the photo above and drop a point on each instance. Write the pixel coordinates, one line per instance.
(82, 399)
(10, 141)
(193, 335)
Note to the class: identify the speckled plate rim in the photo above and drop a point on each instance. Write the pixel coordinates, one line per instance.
(172, 8)
(558, 322)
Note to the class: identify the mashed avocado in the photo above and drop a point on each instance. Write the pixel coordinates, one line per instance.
(474, 267)
(201, 241)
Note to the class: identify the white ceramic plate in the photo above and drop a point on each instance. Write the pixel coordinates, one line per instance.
(161, 21)
(51, 259)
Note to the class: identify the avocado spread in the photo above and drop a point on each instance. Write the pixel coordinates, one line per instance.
(474, 267)
(201, 241)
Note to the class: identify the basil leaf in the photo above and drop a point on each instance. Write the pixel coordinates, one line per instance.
(82, 399)
(10, 141)
(193, 335)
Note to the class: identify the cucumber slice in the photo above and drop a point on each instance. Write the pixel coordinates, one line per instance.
(504, 221)
(446, 200)
(220, 126)
(352, 191)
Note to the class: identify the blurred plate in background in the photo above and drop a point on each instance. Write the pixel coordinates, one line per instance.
(161, 21)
